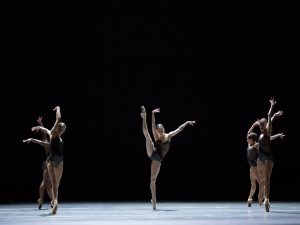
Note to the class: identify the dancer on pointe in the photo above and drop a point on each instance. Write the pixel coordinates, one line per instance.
(157, 149)
(265, 157)
(55, 160)
(46, 183)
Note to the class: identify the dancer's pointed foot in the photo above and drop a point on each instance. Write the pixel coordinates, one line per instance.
(40, 203)
(153, 204)
(267, 205)
(54, 209)
(249, 202)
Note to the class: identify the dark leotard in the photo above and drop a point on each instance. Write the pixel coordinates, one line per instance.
(56, 155)
(252, 153)
(264, 152)
(161, 149)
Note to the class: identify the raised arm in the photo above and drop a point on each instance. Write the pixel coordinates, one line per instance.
(256, 123)
(39, 121)
(153, 123)
(280, 135)
(36, 141)
(180, 128)
(269, 124)
(58, 119)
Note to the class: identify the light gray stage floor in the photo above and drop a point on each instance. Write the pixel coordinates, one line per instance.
(225, 213)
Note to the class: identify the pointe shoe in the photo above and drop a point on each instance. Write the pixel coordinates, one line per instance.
(40, 203)
(51, 204)
(249, 202)
(54, 209)
(153, 204)
(267, 205)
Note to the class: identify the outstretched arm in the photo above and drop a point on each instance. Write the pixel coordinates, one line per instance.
(180, 128)
(280, 135)
(58, 119)
(154, 124)
(279, 113)
(36, 141)
(256, 123)
(39, 128)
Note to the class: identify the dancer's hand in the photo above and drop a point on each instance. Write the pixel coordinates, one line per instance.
(39, 120)
(281, 135)
(257, 122)
(36, 129)
(191, 122)
(156, 110)
(143, 111)
(272, 101)
(279, 113)
(27, 141)
(56, 108)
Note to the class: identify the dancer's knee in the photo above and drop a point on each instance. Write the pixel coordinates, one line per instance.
(43, 184)
(152, 180)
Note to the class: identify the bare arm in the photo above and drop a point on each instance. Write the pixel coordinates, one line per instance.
(154, 124)
(58, 119)
(253, 126)
(280, 135)
(39, 121)
(279, 113)
(180, 128)
(39, 128)
(36, 141)
(269, 124)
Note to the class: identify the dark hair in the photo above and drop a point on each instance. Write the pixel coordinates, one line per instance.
(252, 136)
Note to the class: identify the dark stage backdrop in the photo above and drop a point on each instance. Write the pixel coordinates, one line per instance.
(216, 62)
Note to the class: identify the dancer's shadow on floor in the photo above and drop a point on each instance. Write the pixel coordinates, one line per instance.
(165, 210)
(47, 214)
(282, 212)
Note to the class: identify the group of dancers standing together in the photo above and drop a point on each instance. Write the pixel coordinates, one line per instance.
(260, 157)
(53, 165)
(259, 154)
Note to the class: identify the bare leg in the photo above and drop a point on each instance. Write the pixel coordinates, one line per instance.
(48, 186)
(261, 175)
(155, 167)
(253, 179)
(58, 175)
(55, 173)
(149, 142)
(268, 172)
(41, 193)
(42, 188)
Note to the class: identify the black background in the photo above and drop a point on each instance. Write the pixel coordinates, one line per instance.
(216, 62)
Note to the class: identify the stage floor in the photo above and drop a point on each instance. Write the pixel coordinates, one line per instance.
(139, 213)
